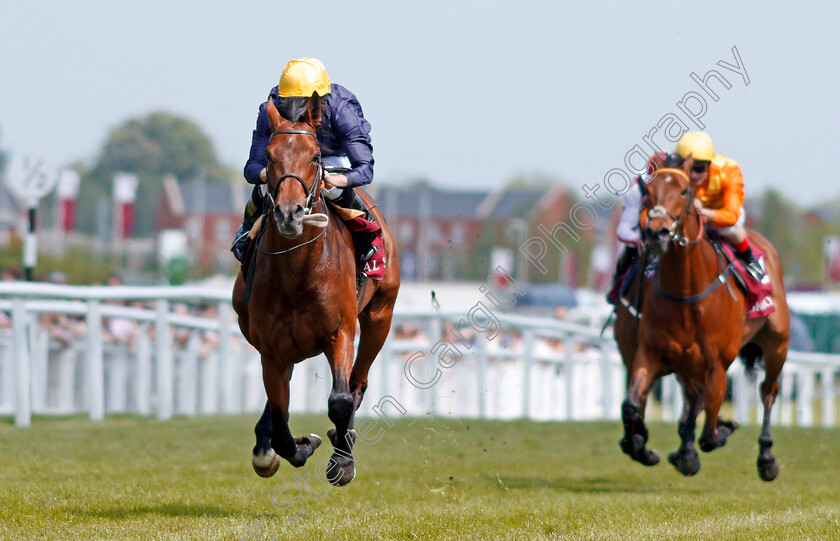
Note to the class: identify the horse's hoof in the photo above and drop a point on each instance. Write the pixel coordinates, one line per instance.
(340, 470)
(306, 445)
(768, 469)
(687, 464)
(331, 435)
(635, 448)
(728, 424)
(265, 464)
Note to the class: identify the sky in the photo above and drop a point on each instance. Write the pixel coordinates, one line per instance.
(464, 94)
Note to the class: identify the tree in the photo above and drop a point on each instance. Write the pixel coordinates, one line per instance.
(150, 147)
(2, 157)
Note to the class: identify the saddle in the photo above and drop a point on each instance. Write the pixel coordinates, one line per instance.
(758, 299)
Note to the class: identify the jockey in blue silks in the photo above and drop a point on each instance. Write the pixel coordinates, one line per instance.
(344, 137)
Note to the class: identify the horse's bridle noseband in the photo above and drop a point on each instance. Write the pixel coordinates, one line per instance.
(658, 211)
(311, 191)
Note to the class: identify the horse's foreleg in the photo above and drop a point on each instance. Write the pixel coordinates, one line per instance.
(295, 450)
(340, 409)
(642, 376)
(685, 459)
(264, 459)
(715, 430)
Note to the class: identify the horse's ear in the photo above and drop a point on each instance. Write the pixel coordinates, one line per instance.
(274, 118)
(313, 109)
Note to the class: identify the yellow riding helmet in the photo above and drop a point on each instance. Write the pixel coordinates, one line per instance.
(302, 77)
(696, 144)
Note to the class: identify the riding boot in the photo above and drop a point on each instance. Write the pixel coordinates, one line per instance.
(752, 265)
(621, 267)
(241, 240)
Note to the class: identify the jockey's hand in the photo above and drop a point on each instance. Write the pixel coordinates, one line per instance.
(337, 180)
(698, 204)
(263, 175)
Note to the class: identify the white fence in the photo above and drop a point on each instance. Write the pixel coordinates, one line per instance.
(69, 350)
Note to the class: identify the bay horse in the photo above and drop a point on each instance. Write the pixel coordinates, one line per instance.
(689, 326)
(303, 298)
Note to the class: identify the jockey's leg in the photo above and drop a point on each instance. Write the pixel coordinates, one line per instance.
(621, 267)
(737, 237)
(349, 199)
(252, 209)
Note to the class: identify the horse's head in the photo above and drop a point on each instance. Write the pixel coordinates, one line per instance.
(670, 199)
(294, 171)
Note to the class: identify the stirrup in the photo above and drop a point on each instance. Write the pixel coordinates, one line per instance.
(755, 270)
(367, 255)
(240, 242)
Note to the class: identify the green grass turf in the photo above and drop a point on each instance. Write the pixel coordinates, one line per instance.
(134, 478)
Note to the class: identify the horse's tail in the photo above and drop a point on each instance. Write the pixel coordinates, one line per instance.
(751, 355)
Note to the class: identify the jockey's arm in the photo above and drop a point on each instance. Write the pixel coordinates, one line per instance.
(354, 132)
(732, 198)
(255, 166)
(627, 230)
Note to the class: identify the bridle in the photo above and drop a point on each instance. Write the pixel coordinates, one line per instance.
(318, 220)
(311, 191)
(658, 211)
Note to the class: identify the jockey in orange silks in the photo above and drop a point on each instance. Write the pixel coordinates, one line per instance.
(719, 194)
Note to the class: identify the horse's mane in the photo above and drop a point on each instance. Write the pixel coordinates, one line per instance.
(293, 109)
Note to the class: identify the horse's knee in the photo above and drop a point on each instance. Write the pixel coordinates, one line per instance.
(340, 407)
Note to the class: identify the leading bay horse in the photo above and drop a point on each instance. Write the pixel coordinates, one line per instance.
(692, 323)
(303, 298)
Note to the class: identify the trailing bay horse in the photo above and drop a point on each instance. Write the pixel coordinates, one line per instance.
(692, 323)
(303, 299)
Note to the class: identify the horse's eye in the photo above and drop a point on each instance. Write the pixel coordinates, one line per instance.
(684, 192)
(316, 159)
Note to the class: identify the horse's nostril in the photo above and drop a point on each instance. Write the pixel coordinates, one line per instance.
(663, 232)
(298, 212)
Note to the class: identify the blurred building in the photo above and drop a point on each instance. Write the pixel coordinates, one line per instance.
(208, 213)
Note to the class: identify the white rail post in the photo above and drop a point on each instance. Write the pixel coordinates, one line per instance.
(163, 355)
(568, 369)
(528, 340)
(481, 375)
(827, 383)
(606, 381)
(143, 377)
(23, 402)
(805, 398)
(435, 334)
(229, 379)
(93, 362)
(740, 392)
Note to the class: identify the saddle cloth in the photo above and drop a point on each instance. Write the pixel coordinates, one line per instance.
(758, 298)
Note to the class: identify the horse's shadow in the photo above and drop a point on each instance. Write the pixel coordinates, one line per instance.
(587, 485)
(176, 509)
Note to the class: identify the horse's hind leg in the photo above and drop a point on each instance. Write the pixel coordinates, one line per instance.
(768, 468)
(340, 409)
(715, 430)
(374, 323)
(642, 376)
(685, 459)
(295, 450)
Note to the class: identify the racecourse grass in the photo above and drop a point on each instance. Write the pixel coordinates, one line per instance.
(137, 478)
